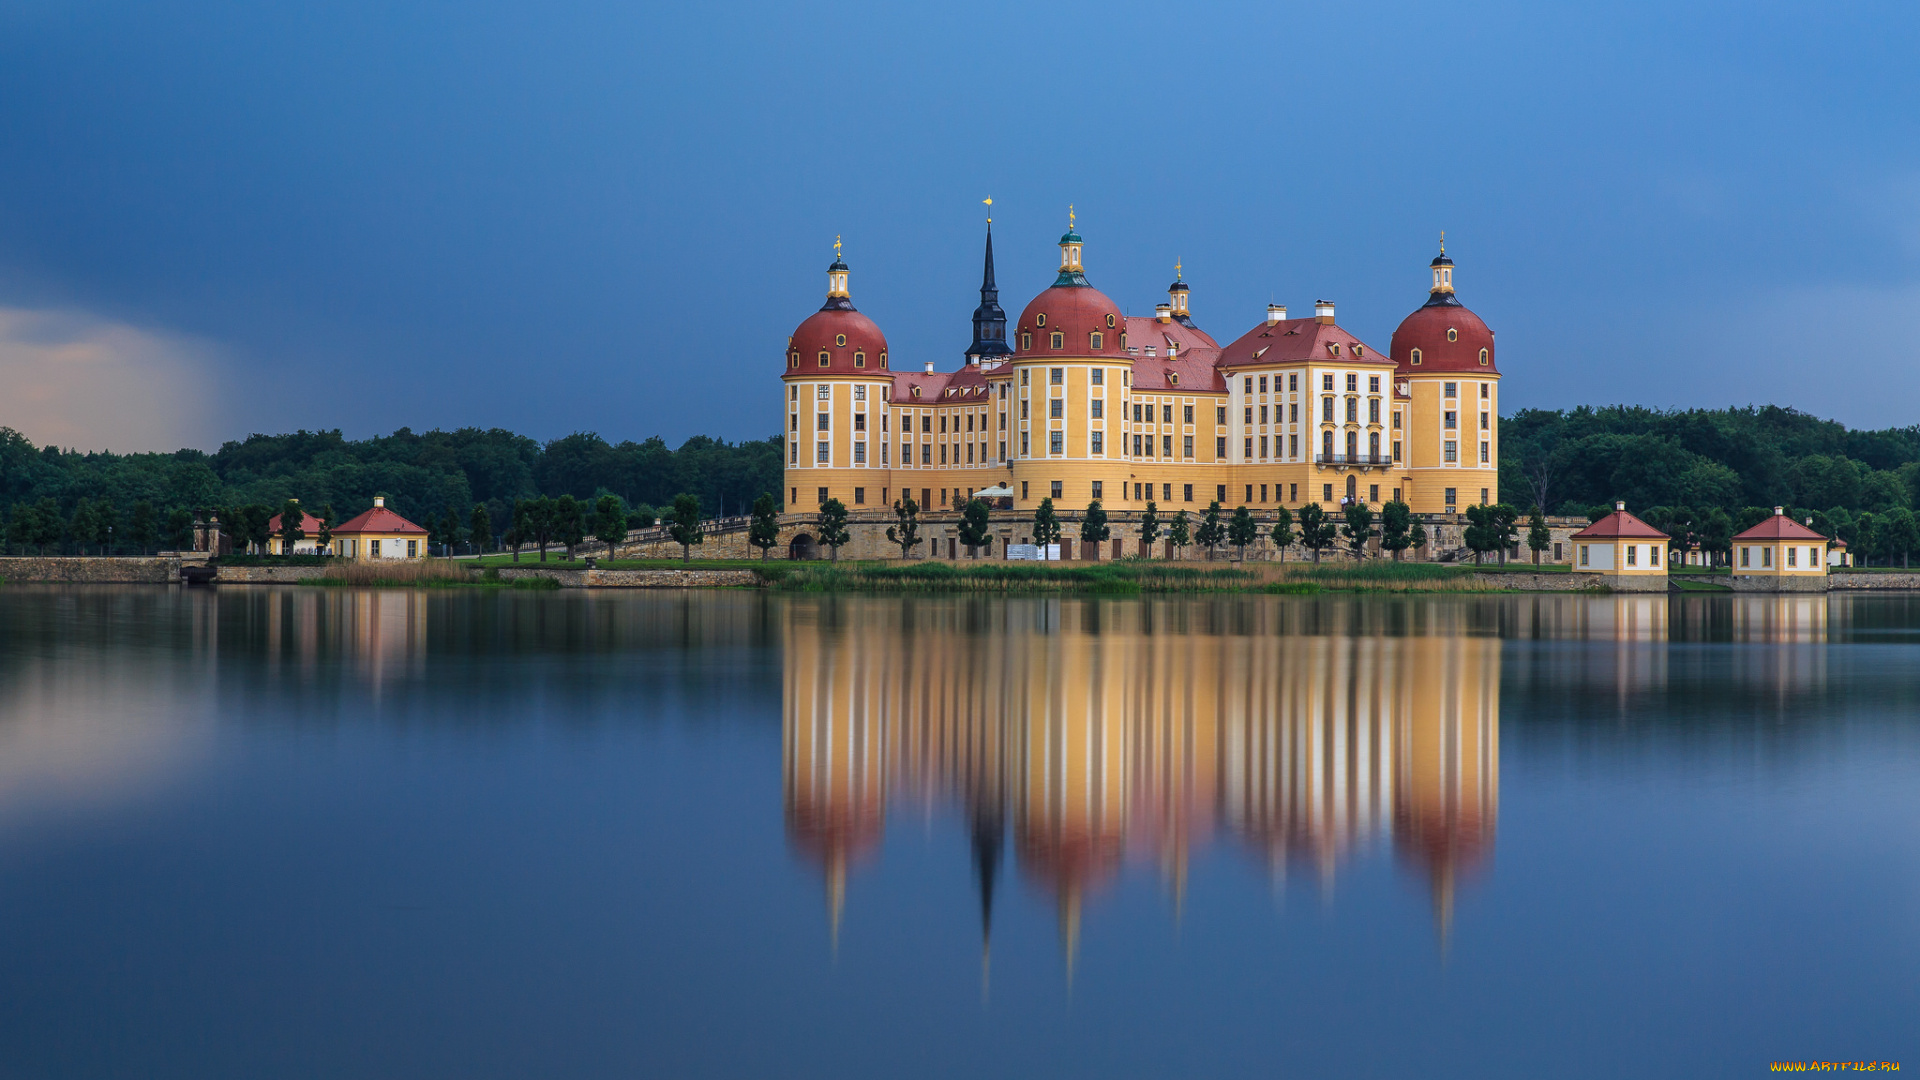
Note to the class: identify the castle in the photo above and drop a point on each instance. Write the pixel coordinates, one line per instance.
(1079, 403)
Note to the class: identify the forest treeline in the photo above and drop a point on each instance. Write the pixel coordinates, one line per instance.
(423, 477)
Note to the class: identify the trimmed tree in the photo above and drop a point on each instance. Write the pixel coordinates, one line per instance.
(1149, 531)
(325, 538)
(1396, 528)
(1502, 523)
(1316, 532)
(833, 526)
(683, 525)
(1211, 533)
(1282, 534)
(974, 523)
(906, 529)
(1046, 526)
(1178, 534)
(1242, 530)
(449, 531)
(764, 530)
(569, 523)
(1093, 527)
(1900, 533)
(609, 522)
(1358, 528)
(1478, 534)
(480, 528)
(293, 528)
(1538, 538)
(1716, 532)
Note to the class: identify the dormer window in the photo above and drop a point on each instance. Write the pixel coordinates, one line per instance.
(1059, 340)
(1040, 319)
(916, 391)
(840, 340)
(793, 360)
(1359, 350)
(1110, 319)
(883, 359)
(1414, 357)
(1095, 340)
(1026, 342)
(1173, 378)
(1483, 358)
(1452, 334)
(1333, 348)
(860, 358)
(825, 358)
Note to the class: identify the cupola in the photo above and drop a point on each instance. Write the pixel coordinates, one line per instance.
(838, 298)
(1276, 313)
(1177, 298)
(1072, 270)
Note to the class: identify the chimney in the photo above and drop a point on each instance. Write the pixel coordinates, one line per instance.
(1163, 312)
(1323, 312)
(929, 367)
(1276, 313)
(379, 501)
(1779, 510)
(1621, 506)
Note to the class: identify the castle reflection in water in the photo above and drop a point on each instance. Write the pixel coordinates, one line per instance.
(1090, 733)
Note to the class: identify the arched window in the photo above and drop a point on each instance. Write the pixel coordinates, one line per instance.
(883, 359)
(1095, 339)
(825, 358)
(1026, 341)
(1483, 358)
(793, 360)
(1415, 357)
(860, 358)
(1059, 340)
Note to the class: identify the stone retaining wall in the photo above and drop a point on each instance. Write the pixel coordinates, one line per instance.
(1525, 582)
(1893, 582)
(266, 575)
(634, 579)
(160, 570)
(1777, 584)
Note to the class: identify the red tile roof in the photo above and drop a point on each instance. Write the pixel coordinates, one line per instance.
(1780, 527)
(1297, 339)
(309, 524)
(1426, 330)
(378, 520)
(1620, 525)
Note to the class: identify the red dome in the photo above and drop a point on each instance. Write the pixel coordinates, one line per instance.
(852, 344)
(1426, 329)
(1076, 312)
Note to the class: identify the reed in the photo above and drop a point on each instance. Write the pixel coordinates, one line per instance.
(408, 574)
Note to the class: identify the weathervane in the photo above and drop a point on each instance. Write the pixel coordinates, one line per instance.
(989, 201)
(1443, 241)
(836, 247)
(1176, 268)
(1069, 217)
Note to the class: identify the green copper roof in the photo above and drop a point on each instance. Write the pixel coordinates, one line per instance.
(1072, 238)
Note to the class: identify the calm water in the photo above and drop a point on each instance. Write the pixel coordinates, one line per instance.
(291, 833)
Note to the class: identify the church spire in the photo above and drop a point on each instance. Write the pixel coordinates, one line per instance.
(989, 320)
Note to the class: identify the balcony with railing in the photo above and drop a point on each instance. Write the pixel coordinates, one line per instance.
(1352, 459)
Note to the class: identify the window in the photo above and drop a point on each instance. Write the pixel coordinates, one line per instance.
(1098, 375)
(1247, 450)
(1249, 414)
(1744, 557)
(1186, 414)
(1813, 556)
(883, 461)
(1136, 412)
(860, 360)
(1057, 376)
(1263, 384)
(1396, 451)
(1263, 491)
(796, 421)
(1326, 446)
(1110, 319)
(1483, 454)
(943, 454)
(1451, 390)
(1293, 381)
(926, 453)
(1263, 446)
(1450, 420)
(943, 424)
(825, 358)
(926, 422)
(1249, 497)
(1056, 442)
(1059, 340)
(1056, 408)
(1793, 556)
(1326, 410)
(1166, 446)
(1026, 345)
(1166, 493)
(1353, 382)
(1293, 413)
(1040, 319)
(820, 453)
(859, 421)
(1003, 449)
(1326, 381)
(1186, 442)
(1326, 493)
(1099, 487)
(1483, 358)
(1056, 489)
(1633, 551)
(1098, 407)
(1189, 492)
(1484, 426)
(859, 495)
(823, 392)
(1023, 408)
(1219, 414)
(883, 367)
(860, 453)
(1653, 555)
(1166, 414)
(1353, 410)
(1263, 414)
(1483, 391)
(820, 421)
(1452, 334)
(1025, 445)
(1220, 448)
(1373, 493)
(1136, 446)
(1583, 555)
(1450, 497)
(1094, 339)
(1293, 446)
(1414, 357)
(1484, 501)
(1098, 446)
(793, 453)
(1373, 384)
(1373, 410)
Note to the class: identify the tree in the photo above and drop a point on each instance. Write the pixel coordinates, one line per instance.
(1316, 531)
(1866, 535)
(1900, 533)
(974, 524)
(449, 531)
(1149, 531)
(533, 524)
(1396, 528)
(1211, 533)
(1046, 526)
(684, 525)
(1538, 538)
(1242, 530)
(1479, 534)
(1501, 523)
(1283, 535)
(764, 530)
(906, 530)
(1178, 534)
(325, 537)
(179, 529)
(1358, 528)
(1093, 527)
(833, 527)
(642, 517)
(49, 528)
(480, 528)
(141, 527)
(22, 524)
(292, 526)
(85, 526)
(249, 526)
(1716, 532)
(569, 523)
(609, 522)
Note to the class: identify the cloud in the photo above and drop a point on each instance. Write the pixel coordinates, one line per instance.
(76, 380)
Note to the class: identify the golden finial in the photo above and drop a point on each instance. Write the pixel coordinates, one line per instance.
(989, 201)
(1443, 241)
(1069, 217)
(836, 247)
(1176, 268)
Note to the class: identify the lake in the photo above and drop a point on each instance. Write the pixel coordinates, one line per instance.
(303, 832)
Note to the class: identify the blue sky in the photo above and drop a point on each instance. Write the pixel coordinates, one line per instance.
(218, 218)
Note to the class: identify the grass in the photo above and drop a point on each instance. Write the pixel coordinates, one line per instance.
(1685, 585)
(555, 562)
(1127, 577)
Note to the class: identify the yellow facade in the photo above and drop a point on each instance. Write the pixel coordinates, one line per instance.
(1453, 441)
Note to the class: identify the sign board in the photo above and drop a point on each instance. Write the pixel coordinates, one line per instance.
(1033, 552)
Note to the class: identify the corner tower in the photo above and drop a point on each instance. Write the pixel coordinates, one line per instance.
(989, 319)
(835, 385)
(1448, 387)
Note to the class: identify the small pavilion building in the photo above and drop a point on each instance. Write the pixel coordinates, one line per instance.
(1779, 553)
(380, 533)
(1837, 553)
(1624, 550)
(309, 542)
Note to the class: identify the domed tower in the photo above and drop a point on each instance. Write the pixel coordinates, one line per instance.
(1447, 400)
(1069, 378)
(836, 389)
(1177, 299)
